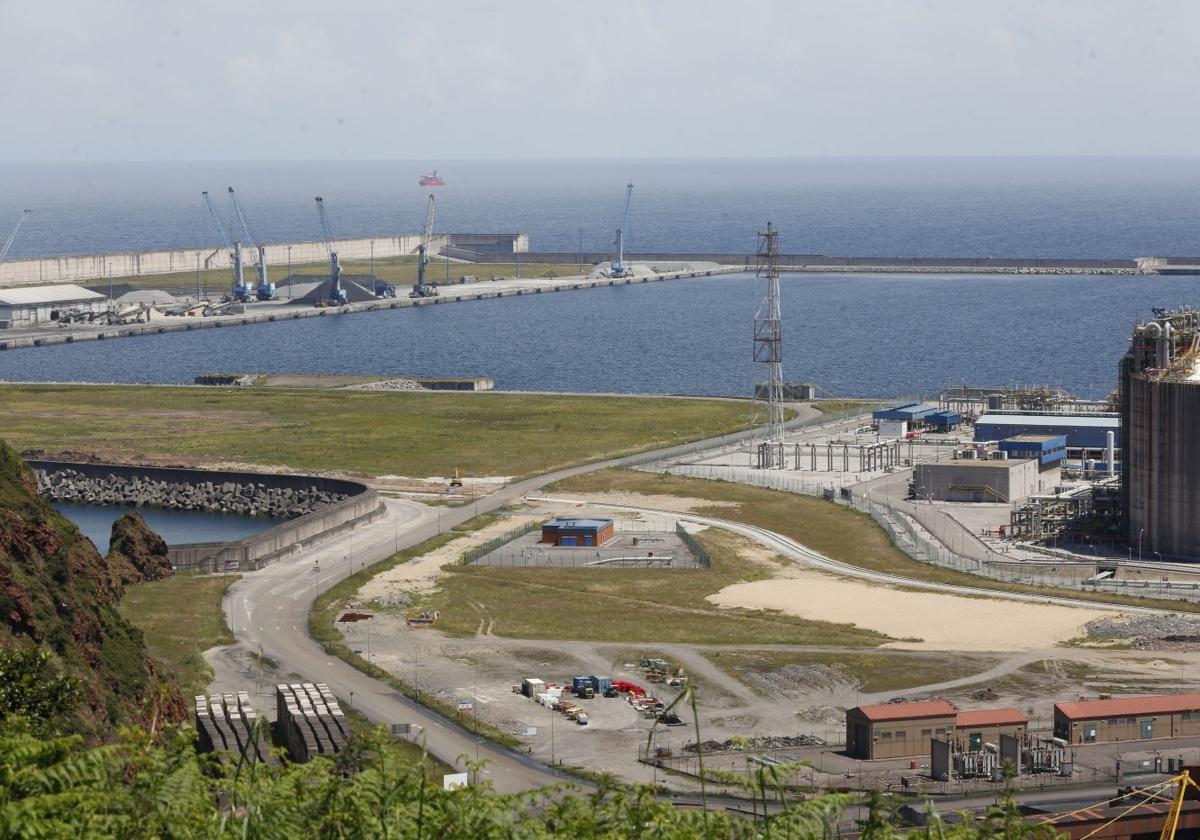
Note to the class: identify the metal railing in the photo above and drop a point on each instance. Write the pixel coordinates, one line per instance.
(483, 549)
(693, 546)
(932, 536)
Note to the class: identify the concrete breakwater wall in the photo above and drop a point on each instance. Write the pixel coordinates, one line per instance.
(247, 499)
(887, 263)
(86, 267)
(355, 503)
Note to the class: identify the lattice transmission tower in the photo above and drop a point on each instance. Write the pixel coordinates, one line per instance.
(768, 349)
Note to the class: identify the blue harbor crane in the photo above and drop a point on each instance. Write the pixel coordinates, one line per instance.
(240, 291)
(337, 295)
(12, 236)
(422, 289)
(618, 267)
(266, 289)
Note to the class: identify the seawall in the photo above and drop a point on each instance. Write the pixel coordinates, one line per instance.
(14, 340)
(88, 267)
(358, 503)
(822, 262)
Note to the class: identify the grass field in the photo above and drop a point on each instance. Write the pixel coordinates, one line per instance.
(873, 671)
(396, 270)
(373, 433)
(181, 617)
(626, 605)
(833, 530)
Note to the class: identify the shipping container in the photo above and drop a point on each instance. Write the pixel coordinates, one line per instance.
(532, 686)
(579, 682)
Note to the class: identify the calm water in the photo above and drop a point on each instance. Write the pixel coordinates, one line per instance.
(866, 335)
(175, 526)
(1087, 207)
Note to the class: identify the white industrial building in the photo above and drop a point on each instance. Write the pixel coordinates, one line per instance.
(28, 306)
(991, 480)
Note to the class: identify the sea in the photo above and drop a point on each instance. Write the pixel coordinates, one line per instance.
(177, 527)
(851, 334)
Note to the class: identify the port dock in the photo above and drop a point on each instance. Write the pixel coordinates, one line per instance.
(288, 310)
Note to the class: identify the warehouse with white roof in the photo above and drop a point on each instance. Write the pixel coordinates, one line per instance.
(29, 306)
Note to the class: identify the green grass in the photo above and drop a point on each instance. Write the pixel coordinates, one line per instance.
(374, 433)
(836, 531)
(322, 627)
(181, 618)
(626, 605)
(396, 270)
(874, 672)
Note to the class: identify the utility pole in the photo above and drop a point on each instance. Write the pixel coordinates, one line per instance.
(768, 350)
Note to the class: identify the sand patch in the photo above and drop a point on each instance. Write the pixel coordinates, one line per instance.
(420, 575)
(941, 621)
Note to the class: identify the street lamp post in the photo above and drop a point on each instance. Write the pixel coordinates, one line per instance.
(1142, 531)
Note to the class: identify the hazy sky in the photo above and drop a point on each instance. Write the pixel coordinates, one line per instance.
(217, 80)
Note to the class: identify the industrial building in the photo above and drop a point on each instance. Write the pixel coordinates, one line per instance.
(906, 730)
(976, 727)
(1160, 404)
(1001, 480)
(1081, 432)
(1128, 719)
(29, 306)
(577, 532)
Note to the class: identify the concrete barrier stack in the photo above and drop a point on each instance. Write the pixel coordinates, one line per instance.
(310, 720)
(226, 725)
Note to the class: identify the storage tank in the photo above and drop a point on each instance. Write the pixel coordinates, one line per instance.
(1160, 414)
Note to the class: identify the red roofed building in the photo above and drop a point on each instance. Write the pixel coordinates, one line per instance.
(977, 727)
(904, 730)
(897, 730)
(1128, 719)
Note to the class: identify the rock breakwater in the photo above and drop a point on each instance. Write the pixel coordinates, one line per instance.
(248, 499)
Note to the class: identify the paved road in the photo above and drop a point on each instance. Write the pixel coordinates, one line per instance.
(268, 611)
(790, 548)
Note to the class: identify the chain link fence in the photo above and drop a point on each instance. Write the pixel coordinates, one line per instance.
(475, 552)
(932, 536)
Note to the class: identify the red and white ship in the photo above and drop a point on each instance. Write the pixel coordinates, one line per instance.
(432, 180)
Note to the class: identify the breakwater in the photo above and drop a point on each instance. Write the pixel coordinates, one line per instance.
(79, 268)
(245, 498)
(820, 263)
(345, 504)
(59, 333)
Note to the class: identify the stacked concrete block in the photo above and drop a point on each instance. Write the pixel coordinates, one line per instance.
(225, 724)
(310, 720)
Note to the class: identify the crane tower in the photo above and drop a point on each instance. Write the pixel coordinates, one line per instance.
(618, 267)
(422, 289)
(12, 236)
(266, 289)
(240, 291)
(337, 295)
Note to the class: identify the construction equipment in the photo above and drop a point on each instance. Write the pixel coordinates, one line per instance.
(457, 480)
(421, 289)
(337, 295)
(239, 292)
(12, 236)
(265, 289)
(618, 268)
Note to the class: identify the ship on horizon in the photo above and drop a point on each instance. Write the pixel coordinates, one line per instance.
(432, 180)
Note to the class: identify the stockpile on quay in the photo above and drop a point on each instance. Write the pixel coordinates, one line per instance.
(248, 499)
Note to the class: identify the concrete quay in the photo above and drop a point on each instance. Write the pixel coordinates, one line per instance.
(284, 310)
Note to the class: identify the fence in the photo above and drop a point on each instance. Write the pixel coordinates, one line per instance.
(932, 536)
(693, 546)
(483, 549)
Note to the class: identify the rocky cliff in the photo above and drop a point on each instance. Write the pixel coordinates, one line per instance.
(59, 594)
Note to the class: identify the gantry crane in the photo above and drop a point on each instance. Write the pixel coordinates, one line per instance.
(266, 289)
(240, 291)
(12, 236)
(618, 267)
(421, 289)
(337, 295)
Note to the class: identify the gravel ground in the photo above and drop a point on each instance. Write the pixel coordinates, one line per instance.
(1145, 627)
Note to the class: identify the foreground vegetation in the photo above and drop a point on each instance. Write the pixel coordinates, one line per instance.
(374, 433)
(627, 605)
(836, 531)
(180, 617)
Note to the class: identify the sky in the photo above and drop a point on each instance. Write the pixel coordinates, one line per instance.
(118, 80)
